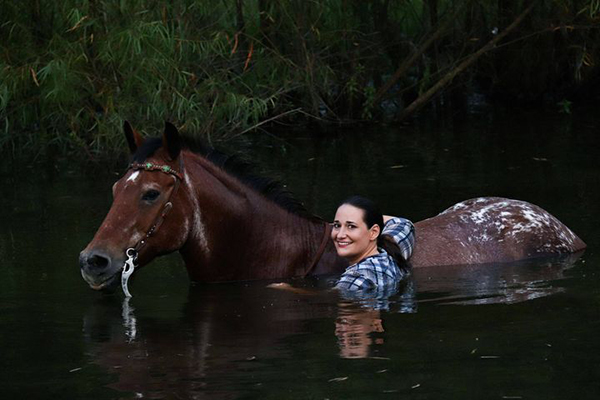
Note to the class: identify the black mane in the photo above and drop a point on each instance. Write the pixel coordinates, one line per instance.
(147, 149)
(237, 167)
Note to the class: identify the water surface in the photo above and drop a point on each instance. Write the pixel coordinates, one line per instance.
(526, 330)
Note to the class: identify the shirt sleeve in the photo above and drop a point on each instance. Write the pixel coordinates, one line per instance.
(402, 231)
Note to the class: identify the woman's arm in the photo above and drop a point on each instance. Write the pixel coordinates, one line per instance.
(402, 231)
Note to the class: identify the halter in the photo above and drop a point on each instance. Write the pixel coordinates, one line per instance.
(133, 252)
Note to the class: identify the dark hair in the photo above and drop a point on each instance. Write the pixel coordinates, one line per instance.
(372, 216)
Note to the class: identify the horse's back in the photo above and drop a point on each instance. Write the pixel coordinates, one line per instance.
(490, 230)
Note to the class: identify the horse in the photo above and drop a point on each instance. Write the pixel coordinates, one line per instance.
(229, 225)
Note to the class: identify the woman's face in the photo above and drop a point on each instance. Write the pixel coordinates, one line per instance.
(352, 238)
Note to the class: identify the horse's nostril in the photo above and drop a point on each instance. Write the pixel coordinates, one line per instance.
(97, 261)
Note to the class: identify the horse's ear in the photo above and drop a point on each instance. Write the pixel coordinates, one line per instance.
(171, 140)
(134, 139)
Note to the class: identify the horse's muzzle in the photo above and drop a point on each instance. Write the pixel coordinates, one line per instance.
(100, 270)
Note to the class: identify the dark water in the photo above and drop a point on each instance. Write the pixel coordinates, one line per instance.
(526, 330)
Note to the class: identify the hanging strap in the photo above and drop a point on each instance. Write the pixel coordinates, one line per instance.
(321, 249)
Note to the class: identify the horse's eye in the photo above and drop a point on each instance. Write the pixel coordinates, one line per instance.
(151, 195)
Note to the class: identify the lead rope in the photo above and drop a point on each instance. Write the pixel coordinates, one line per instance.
(132, 253)
(321, 249)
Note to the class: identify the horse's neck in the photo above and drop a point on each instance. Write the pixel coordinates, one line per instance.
(236, 233)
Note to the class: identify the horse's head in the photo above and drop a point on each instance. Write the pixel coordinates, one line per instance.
(147, 213)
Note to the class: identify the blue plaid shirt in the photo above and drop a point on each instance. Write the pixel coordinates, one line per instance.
(380, 271)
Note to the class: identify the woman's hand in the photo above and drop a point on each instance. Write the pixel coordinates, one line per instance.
(290, 288)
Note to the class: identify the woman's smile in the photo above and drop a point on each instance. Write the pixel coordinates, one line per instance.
(352, 238)
(342, 246)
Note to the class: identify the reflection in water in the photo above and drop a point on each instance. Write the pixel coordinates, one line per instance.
(359, 316)
(149, 358)
(129, 321)
(224, 332)
(506, 283)
(224, 341)
(354, 327)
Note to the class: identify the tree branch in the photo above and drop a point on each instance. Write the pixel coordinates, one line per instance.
(409, 62)
(425, 97)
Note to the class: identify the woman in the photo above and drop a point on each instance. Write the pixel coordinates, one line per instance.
(377, 247)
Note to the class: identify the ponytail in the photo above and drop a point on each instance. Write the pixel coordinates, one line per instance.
(391, 247)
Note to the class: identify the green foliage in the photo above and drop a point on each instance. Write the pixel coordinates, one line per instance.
(71, 71)
(564, 106)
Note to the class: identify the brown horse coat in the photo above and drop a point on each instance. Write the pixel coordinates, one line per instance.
(491, 229)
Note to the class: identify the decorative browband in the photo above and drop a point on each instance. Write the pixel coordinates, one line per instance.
(154, 167)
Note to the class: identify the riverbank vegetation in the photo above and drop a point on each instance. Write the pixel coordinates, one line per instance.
(72, 71)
